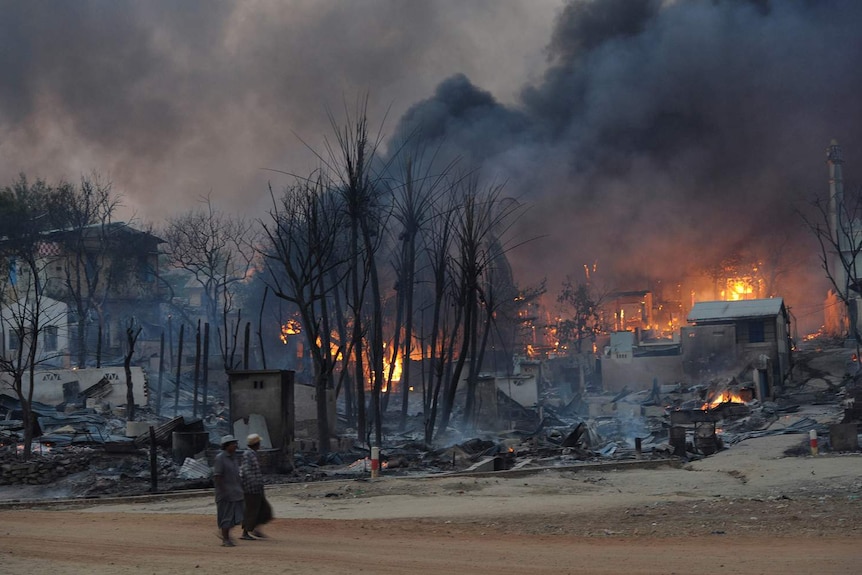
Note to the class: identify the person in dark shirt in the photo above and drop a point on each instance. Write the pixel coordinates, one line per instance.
(228, 489)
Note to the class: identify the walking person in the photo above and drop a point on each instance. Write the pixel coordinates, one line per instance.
(228, 489)
(257, 509)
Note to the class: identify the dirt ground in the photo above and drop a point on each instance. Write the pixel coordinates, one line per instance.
(748, 509)
(762, 506)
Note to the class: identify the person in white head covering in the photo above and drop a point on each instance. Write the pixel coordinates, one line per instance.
(257, 509)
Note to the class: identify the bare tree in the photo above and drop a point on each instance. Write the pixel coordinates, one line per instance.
(88, 270)
(443, 326)
(133, 330)
(302, 234)
(838, 231)
(581, 319)
(28, 315)
(418, 191)
(217, 250)
(351, 161)
(484, 218)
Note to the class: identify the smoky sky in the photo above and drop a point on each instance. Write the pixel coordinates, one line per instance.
(665, 136)
(648, 136)
(172, 101)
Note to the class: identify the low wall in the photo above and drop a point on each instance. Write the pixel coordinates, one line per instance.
(638, 373)
(41, 470)
(49, 384)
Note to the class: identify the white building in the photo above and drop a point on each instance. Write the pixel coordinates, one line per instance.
(53, 339)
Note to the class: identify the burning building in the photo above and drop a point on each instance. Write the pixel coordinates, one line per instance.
(745, 339)
(739, 338)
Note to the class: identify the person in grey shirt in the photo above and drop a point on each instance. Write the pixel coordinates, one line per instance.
(228, 489)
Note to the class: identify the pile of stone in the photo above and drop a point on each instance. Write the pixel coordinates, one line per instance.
(40, 470)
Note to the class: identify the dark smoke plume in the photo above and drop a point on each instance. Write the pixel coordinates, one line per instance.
(655, 135)
(665, 135)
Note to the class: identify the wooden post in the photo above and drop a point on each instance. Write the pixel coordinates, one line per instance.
(179, 367)
(161, 374)
(154, 470)
(98, 346)
(206, 350)
(260, 328)
(375, 462)
(245, 345)
(197, 368)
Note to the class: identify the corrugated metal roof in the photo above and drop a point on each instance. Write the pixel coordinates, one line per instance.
(717, 310)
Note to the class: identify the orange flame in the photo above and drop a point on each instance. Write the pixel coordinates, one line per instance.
(723, 397)
(292, 327)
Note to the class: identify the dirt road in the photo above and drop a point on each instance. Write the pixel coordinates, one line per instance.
(67, 542)
(747, 510)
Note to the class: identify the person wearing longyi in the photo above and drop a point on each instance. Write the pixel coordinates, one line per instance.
(257, 509)
(228, 489)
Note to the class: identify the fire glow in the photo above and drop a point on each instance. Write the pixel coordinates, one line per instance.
(723, 397)
(292, 327)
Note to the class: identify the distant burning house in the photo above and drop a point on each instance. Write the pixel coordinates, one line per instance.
(739, 338)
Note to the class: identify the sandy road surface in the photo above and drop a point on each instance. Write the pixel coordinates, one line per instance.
(73, 542)
(746, 510)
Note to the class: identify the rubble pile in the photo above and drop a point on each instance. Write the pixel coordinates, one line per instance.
(99, 453)
(40, 470)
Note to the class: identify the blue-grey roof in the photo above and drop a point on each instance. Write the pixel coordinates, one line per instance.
(742, 309)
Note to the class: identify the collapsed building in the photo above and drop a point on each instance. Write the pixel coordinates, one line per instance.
(747, 339)
(648, 392)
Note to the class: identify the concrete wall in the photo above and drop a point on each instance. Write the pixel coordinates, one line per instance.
(637, 373)
(524, 390)
(268, 393)
(487, 412)
(49, 384)
(305, 420)
(710, 350)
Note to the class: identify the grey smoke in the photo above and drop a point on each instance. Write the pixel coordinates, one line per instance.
(665, 135)
(650, 135)
(174, 100)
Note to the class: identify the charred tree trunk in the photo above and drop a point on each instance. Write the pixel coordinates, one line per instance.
(245, 348)
(206, 370)
(408, 339)
(132, 333)
(197, 374)
(179, 374)
(99, 345)
(452, 381)
(349, 396)
(260, 329)
(161, 374)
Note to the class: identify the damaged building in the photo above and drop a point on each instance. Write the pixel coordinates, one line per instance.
(747, 339)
